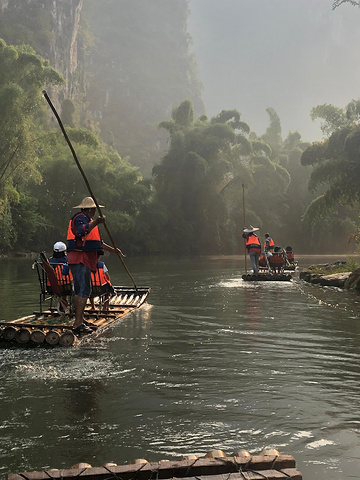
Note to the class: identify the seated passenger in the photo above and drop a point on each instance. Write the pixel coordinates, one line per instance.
(59, 263)
(262, 261)
(101, 284)
(276, 261)
(290, 255)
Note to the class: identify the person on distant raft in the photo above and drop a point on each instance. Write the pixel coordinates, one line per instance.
(253, 246)
(84, 246)
(277, 260)
(269, 243)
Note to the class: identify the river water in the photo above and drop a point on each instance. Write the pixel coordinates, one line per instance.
(210, 362)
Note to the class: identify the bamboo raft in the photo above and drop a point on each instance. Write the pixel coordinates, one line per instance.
(291, 267)
(215, 465)
(49, 327)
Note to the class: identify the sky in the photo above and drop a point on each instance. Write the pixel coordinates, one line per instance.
(291, 55)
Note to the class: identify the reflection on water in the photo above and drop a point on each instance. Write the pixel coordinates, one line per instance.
(211, 362)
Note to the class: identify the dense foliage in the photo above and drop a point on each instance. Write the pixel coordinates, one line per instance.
(23, 74)
(199, 181)
(336, 170)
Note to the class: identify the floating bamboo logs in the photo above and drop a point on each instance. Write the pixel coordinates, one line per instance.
(52, 337)
(215, 454)
(37, 336)
(50, 328)
(241, 453)
(82, 465)
(9, 333)
(270, 451)
(67, 338)
(22, 335)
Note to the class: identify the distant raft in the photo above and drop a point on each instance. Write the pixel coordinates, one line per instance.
(267, 277)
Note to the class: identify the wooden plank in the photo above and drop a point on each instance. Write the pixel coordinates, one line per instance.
(202, 467)
(293, 473)
(250, 475)
(22, 319)
(127, 472)
(41, 325)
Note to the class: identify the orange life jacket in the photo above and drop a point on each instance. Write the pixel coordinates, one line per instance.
(276, 260)
(98, 278)
(64, 281)
(262, 261)
(253, 241)
(87, 243)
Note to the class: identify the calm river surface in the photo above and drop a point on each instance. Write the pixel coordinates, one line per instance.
(210, 362)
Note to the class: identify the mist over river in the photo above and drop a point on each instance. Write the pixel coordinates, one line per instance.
(210, 362)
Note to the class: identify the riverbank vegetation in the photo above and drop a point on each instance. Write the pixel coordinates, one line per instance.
(350, 265)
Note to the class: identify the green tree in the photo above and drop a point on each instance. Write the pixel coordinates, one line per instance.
(337, 3)
(336, 173)
(191, 178)
(115, 183)
(23, 75)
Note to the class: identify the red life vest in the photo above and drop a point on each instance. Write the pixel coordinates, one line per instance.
(262, 261)
(65, 281)
(87, 243)
(270, 242)
(276, 260)
(253, 241)
(98, 278)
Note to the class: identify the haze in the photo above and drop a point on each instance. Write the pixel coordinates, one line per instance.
(286, 54)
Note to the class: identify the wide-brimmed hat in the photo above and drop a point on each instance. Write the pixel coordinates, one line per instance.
(88, 202)
(59, 247)
(250, 229)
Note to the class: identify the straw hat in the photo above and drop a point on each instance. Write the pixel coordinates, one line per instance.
(250, 229)
(87, 202)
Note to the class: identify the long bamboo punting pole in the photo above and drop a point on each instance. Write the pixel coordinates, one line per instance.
(86, 182)
(244, 223)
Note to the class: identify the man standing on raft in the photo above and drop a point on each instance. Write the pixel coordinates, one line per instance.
(253, 246)
(84, 246)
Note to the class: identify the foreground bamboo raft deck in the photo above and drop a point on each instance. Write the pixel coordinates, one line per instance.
(50, 328)
(214, 466)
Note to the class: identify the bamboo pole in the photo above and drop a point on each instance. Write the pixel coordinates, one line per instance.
(86, 182)
(244, 223)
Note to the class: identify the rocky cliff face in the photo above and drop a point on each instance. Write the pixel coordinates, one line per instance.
(52, 28)
(64, 51)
